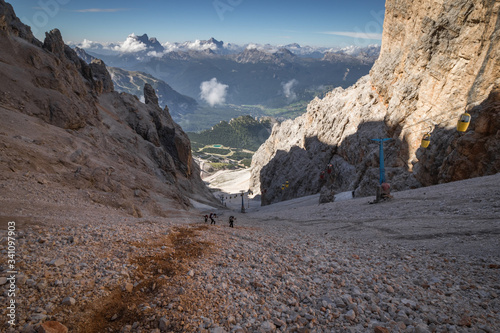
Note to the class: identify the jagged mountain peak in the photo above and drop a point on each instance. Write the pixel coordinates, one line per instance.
(152, 44)
(219, 44)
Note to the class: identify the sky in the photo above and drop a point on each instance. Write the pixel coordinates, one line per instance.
(325, 23)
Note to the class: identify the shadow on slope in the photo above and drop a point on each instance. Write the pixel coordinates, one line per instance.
(451, 156)
(454, 156)
(355, 165)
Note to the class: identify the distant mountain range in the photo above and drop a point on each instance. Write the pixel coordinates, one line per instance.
(253, 74)
(152, 47)
(193, 77)
(133, 82)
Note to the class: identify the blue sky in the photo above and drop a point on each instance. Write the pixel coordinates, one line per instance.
(315, 23)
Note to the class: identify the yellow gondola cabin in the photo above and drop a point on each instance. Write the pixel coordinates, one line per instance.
(463, 122)
(426, 140)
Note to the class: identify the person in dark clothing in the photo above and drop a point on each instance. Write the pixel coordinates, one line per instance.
(212, 221)
(231, 221)
(206, 218)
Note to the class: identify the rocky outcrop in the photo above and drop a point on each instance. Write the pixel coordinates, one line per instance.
(64, 126)
(437, 60)
(432, 69)
(150, 95)
(54, 43)
(55, 88)
(11, 24)
(100, 77)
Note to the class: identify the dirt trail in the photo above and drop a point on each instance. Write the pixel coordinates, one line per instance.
(161, 272)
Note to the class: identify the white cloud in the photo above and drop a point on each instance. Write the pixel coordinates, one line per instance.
(252, 46)
(170, 47)
(131, 44)
(88, 44)
(213, 92)
(288, 89)
(155, 54)
(264, 48)
(362, 35)
(198, 45)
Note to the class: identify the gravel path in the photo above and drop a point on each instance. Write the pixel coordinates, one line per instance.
(414, 264)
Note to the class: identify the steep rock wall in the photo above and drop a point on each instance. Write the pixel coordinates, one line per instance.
(438, 59)
(63, 125)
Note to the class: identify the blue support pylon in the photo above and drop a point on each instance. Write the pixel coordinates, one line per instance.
(242, 203)
(381, 155)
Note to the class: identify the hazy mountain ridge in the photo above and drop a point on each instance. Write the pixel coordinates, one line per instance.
(430, 70)
(255, 74)
(253, 77)
(259, 83)
(133, 83)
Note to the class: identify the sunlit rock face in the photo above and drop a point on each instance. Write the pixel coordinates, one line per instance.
(438, 59)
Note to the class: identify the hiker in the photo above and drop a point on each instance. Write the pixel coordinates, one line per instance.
(212, 221)
(231, 220)
(206, 218)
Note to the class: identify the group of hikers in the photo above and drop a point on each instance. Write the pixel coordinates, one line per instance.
(213, 216)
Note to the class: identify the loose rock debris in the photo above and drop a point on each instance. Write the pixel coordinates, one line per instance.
(171, 277)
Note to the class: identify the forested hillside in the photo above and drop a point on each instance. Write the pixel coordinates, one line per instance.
(242, 132)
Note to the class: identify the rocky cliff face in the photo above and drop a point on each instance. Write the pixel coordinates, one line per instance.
(63, 125)
(437, 60)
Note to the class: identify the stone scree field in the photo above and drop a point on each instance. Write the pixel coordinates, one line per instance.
(310, 269)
